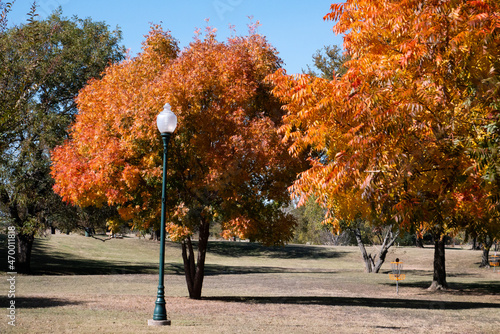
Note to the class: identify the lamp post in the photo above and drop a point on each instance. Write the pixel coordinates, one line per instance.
(166, 122)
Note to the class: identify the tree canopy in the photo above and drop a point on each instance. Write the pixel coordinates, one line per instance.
(227, 164)
(329, 61)
(392, 139)
(43, 65)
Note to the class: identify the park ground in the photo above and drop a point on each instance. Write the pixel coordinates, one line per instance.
(83, 285)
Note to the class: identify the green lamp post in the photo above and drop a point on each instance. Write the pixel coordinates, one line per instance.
(166, 122)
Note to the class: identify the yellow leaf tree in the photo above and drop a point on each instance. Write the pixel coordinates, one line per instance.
(389, 141)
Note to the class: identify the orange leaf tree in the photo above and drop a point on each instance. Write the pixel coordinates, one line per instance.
(227, 163)
(391, 139)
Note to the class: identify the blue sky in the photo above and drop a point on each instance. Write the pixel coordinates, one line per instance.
(295, 28)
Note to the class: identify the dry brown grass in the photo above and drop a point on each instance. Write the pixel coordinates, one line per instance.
(248, 289)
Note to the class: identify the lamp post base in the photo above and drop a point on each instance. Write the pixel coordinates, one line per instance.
(152, 322)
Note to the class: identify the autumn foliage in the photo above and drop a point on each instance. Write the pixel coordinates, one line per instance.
(391, 140)
(112, 157)
(227, 163)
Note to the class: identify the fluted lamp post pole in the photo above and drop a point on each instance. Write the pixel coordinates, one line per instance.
(166, 122)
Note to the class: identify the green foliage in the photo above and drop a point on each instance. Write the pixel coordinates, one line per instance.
(43, 65)
(309, 227)
(311, 230)
(329, 61)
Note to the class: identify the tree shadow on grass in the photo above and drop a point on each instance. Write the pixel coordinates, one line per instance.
(359, 302)
(216, 270)
(460, 288)
(45, 262)
(239, 249)
(428, 273)
(37, 302)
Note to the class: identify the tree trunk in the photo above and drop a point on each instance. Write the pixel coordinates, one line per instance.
(370, 266)
(488, 242)
(195, 272)
(389, 240)
(155, 235)
(23, 255)
(439, 277)
(367, 258)
(24, 241)
(419, 241)
(475, 244)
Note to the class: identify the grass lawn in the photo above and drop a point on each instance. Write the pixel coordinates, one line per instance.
(82, 285)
